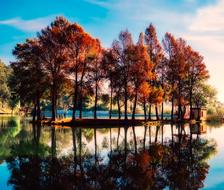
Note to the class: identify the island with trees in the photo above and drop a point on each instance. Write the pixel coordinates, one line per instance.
(65, 67)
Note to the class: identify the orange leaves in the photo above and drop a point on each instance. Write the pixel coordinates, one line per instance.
(145, 90)
(156, 95)
(141, 67)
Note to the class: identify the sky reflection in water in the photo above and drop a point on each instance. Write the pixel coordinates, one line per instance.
(126, 158)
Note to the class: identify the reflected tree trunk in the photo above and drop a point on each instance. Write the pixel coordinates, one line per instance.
(162, 133)
(135, 139)
(157, 132)
(53, 142)
(80, 150)
(38, 132)
(125, 142)
(118, 135)
(150, 138)
(172, 133)
(74, 147)
(110, 141)
(34, 132)
(145, 131)
(34, 111)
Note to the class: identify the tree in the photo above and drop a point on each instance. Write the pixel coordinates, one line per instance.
(5, 72)
(196, 75)
(96, 72)
(203, 94)
(156, 56)
(123, 68)
(53, 55)
(144, 93)
(169, 45)
(109, 64)
(140, 70)
(80, 49)
(28, 80)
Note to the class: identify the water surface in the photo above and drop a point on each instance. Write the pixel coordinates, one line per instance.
(142, 157)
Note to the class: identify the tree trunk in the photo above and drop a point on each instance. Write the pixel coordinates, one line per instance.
(125, 102)
(95, 145)
(80, 109)
(81, 87)
(144, 105)
(119, 108)
(157, 114)
(38, 107)
(111, 99)
(191, 103)
(135, 104)
(53, 104)
(96, 99)
(179, 101)
(150, 108)
(81, 101)
(75, 95)
(172, 109)
(162, 111)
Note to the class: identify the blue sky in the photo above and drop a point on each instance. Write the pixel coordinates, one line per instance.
(200, 22)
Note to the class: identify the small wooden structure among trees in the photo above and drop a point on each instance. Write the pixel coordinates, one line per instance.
(199, 114)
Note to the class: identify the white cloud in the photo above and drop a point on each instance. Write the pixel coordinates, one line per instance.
(32, 25)
(203, 27)
(206, 34)
(209, 18)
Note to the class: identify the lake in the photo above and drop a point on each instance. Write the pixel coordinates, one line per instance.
(142, 157)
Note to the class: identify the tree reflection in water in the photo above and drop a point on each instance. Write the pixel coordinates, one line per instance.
(178, 163)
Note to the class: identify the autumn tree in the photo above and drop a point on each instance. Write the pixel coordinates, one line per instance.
(144, 93)
(121, 47)
(156, 56)
(140, 69)
(197, 73)
(109, 63)
(79, 45)
(96, 72)
(53, 55)
(169, 45)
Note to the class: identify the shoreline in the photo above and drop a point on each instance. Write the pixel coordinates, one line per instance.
(104, 123)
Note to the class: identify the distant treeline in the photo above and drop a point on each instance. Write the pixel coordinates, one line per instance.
(63, 59)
